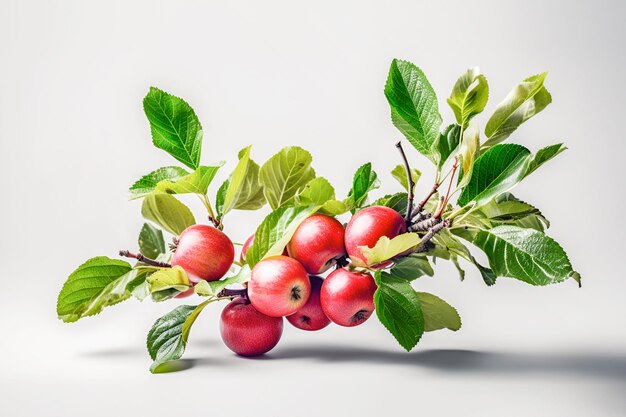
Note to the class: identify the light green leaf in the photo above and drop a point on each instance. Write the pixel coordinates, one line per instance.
(412, 267)
(523, 102)
(524, 254)
(399, 173)
(100, 282)
(507, 209)
(191, 319)
(151, 242)
(469, 95)
(242, 191)
(438, 314)
(543, 155)
(496, 171)
(334, 208)
(398, 309)
(447, 142)
(174, 125)
(386, 248)
(148, 183)
(468, 151)
(364, 181)
(169, 278)
(195, 183)
(315, 193)
(414, 108)
(284, 174)
(397, 201)
(275, 231)
(167, 212)
(212, 288)
(165, 340)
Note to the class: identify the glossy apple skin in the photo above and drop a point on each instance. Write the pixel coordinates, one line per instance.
(369, 225)
(204, 253)
(279, 286)
(246, 245)
(347, 298)
(246, 331)
(317, 243)
(311, 317)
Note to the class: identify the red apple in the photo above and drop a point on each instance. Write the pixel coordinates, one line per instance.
(317, 243)
(279, 286)
(311, 316)
(246, 331)
(347, 297)
(204, 253)
(369, 225)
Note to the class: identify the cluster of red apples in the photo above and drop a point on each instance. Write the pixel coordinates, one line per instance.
(290, 285)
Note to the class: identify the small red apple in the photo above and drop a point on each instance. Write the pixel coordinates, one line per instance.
(317, 243)
(369, 225)
(204, 253)
(246, 331)
(311, 316)
(347, 297)
(279, 286)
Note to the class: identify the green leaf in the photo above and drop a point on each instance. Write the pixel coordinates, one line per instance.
(398, 309)
(284, 174)
(100, 282)
(488, 276)
(397, 201)
(438, 314)
(334, 208)
(195, 183)
(169, 278)
(414, 108)
(507, 209)
(151, 242)
(543, 155)
(469, 95)
(242, 191)
(174, 125)
(524, 254)
(167, 212)
(523, 102)
(364, 181)
(315, 193)
(165, 340)
(386, 248)
(212, 288)
(412, 267)
(447, 142)
(191, 319)
(399, 173)
(275, 231)
(148, 183)
(468, 151)
(496, 171)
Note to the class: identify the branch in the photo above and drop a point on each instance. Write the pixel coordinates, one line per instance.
(409, 178)
(423, 246)
(445, 200)
(233, 293)
(417, 211)
(143, 259)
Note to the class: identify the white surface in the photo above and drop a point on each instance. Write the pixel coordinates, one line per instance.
(73, 137)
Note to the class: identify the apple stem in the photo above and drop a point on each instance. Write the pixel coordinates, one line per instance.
(145, 260)
(410, 183)
(341, 262)
(226, 292)
(445, 200)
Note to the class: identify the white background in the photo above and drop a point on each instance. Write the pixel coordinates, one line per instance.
(73, 138)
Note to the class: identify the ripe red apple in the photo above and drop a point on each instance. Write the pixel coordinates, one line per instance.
(204, 253)
(369, 225)
(279, 286)
(246, 245)
(347, 298)
(246, 331)
(317, 243)
(311, 316)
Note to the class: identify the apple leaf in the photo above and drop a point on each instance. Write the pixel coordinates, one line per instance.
(174, 125)
(284, 174)
(151, 242)
(414, 108)
(364, 181)
(148, 183)
(195, 183)
(525, 254)
(399, 173)
(275, 231)
(212, 288)
(167, 212)
(316, 192)
(386, 248)
(191, 319)
(398, 309)
(447, 142)
(468, 150)
(169, 278)
(412, 267)
(526, 99)
(496, 171)
(507, 209)
(438, 314)
(242, 191)
(543, 155)
(100, 282)
(165, 340)
(469, 96)
(334, 208)
(397, 201)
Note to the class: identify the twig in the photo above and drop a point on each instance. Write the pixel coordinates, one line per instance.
(445, 200)
(141, 258)
(233, 293)
(424, 225)
(423, 246)
(411, 185)
(418, 209)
